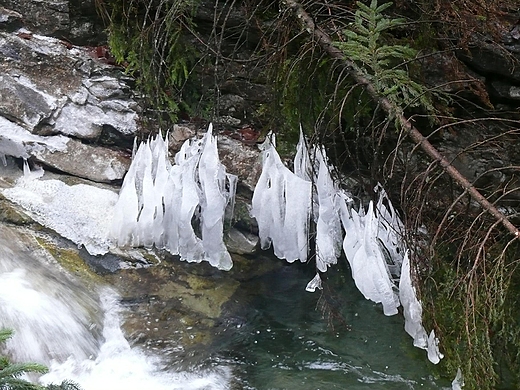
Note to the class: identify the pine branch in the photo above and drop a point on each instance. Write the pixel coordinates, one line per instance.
(326, 43)
(18, 369)
(5, 334)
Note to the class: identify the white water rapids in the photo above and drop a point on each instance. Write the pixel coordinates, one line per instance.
(76, 332)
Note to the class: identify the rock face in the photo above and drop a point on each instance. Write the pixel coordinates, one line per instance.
(50, 89)
(93, 163)
(74, 20)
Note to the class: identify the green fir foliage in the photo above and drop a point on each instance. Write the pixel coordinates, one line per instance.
(10, 373)
(382, 63)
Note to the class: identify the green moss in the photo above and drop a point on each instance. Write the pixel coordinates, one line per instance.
(476, 313)
(316, 95)
(71, 261)
(149, 40)
(9, 214)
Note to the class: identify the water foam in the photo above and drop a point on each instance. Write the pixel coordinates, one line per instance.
(119, 366)
(76, 331)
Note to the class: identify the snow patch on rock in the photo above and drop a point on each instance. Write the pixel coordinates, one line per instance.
(81, 213)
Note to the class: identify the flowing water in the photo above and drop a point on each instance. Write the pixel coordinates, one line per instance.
(272, 334)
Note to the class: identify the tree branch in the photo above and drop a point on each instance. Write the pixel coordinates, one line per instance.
(326, 43)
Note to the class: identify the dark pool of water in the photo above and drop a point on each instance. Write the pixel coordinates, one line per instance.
(287, 338)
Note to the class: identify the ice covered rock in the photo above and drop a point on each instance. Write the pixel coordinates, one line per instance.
(81, 213)
(281, 205)
(18, 142)
(98, 164)
(412, 308)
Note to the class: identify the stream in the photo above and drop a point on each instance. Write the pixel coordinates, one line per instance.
(270, 334)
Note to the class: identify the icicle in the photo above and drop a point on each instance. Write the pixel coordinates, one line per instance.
(144, 228)
(302, 162)
(31, 175)
(158, 201)
(126, 209)
(391, 230)
(412, 308)
(328, 226)
(434, 355)
(281, 205)
(125, 213)
(232, 181)
(369, 269)
(160, 180)
(458, 382)
(212, 177)
(190, 246)
(314, 284)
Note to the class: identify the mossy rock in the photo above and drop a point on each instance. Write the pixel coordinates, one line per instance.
(9, 213)
(70, 260)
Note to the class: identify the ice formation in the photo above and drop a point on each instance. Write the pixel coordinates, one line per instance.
(79, 212)
(412, 311)
(272, 202)
(328, 224)
(218, 189)
(412, 308)
(369, 268)
(281, 205)
(326, 204)
(390, 232)
(434, 355)
(18, 142)
(458, 382)
(314, 284)
(158, 201)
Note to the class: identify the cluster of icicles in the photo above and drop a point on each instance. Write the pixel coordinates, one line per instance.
(159, 203)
